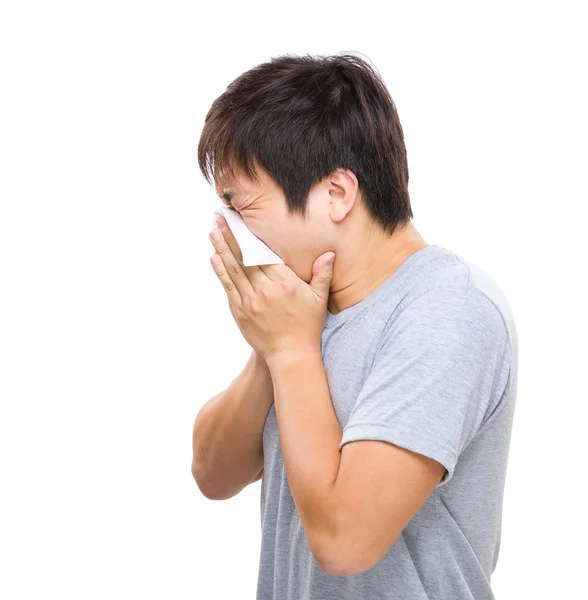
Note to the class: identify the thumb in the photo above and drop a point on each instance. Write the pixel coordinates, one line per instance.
(322, 273)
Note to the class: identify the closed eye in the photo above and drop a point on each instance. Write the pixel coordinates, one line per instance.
(227, 202)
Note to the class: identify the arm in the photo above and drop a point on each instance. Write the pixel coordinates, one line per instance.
(437, 377)
(227, 440)
(352, 504)
(310, 434)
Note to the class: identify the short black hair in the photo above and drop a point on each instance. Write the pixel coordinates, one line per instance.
(301, 117)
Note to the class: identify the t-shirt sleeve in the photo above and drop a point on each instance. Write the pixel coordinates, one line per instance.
(438, 374)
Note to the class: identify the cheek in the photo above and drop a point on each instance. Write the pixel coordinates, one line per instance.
(281, 236)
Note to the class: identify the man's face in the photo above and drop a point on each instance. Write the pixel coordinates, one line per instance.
(263, 209)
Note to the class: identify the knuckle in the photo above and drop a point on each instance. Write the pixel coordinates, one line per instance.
(253, 305)
(236, 251)
(287, 289)
(233, 270)
(265, 292)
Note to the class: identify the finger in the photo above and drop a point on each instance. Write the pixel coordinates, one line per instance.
(232, 310)
(232, 266)
(221, 272)
(250, 272)
(231, 240)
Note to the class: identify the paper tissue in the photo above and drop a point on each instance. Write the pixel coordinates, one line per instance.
(254, 251)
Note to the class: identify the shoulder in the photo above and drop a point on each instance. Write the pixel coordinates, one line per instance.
(455, 291)
(447, 324)
(442, 303)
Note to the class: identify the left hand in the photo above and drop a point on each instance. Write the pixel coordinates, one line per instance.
(275, 310)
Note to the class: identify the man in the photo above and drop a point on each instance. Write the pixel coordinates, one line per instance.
(377, 405)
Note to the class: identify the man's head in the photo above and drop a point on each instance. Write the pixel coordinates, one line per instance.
(310, 152)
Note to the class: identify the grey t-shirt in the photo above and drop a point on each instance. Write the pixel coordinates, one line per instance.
(427, 361)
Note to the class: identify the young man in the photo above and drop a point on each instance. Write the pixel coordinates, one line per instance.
(377, 405)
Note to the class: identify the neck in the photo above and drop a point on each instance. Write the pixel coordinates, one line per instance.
(361, 268)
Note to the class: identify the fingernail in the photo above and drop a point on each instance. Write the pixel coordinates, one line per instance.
(221, 222)
(215, 235)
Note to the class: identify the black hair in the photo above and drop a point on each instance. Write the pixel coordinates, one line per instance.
(302, 117)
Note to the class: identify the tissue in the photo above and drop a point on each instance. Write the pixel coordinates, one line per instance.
(254, 251)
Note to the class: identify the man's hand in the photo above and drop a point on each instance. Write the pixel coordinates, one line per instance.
(275, 310)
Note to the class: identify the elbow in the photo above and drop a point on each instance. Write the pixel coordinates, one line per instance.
(331, 560)
(214, 489)
(206, 489)
(331, 546)
(343, 557)
(212, 494)
(208, 493)
(335, 564)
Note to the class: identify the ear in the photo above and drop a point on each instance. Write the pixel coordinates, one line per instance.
(343, 189)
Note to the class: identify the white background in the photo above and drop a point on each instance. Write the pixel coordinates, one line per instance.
(114, 329)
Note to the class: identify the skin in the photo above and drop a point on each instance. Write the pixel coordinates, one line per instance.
(337, 221)
(353, 503)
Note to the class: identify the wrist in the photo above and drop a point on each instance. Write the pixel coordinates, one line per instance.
(292, 356)
(258, 363)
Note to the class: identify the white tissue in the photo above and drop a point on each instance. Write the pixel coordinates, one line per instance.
(254, 251)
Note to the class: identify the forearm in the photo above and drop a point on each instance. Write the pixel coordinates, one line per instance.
(310, 435)
(228, 432)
